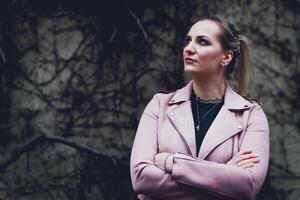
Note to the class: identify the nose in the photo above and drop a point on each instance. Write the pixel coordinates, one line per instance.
(189, 48)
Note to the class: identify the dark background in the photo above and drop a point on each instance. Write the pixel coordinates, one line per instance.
(76, 75)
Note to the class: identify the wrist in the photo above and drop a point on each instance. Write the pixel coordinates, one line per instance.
(168, 165)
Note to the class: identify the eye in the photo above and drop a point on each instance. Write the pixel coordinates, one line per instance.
(186, 41)
(203, 42)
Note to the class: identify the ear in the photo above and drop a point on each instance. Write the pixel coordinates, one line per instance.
(227, 57)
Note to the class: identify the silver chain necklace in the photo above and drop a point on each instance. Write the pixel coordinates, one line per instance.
(198, 116)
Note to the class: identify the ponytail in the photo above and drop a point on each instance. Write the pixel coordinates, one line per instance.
(241, 73)
(237, 72)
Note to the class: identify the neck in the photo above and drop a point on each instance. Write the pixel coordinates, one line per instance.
(209, 89)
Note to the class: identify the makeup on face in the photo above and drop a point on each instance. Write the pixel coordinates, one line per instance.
(200, 39)
(202, 52)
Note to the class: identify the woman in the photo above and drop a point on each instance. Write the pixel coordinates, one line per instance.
(204, 141)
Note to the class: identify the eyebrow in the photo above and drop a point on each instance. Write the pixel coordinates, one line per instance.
(199, 37)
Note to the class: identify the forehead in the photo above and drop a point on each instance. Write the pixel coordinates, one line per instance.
(205, 28)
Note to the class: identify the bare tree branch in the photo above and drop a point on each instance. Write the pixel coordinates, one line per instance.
(3, 57)
(138, 21)
(41, 139)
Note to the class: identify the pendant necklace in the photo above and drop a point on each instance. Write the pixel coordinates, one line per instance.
(198, 116)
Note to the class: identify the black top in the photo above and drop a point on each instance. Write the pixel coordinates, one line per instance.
(207, 113)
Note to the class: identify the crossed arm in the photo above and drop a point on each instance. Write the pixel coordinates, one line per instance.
(168, 176)
(244, 159)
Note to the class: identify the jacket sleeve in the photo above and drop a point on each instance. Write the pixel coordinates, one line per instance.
(228, 180)
(146, 177)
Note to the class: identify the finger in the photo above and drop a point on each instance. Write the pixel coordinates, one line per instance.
(159, 159)
(247, 161)
(245, 157)
(249, 165)
(160, 155)
(243, 152)
(244, 162)
(256, 160)
(156, 159)
(241, 156)
(158, 164)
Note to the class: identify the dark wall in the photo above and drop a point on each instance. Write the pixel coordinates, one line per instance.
(76, 75)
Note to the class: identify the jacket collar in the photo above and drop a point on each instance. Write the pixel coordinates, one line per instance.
(232, 100)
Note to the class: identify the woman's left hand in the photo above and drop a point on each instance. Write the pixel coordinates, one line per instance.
(164, 161)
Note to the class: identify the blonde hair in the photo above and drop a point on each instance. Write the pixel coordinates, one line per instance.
(237, 72)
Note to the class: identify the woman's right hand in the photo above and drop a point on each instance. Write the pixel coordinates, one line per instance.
(244, 159)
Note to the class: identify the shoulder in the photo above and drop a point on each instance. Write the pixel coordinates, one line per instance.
(164, 91)
(177, 96)
(164, 96)
(254, 101)
(257, 114)
(158, 103)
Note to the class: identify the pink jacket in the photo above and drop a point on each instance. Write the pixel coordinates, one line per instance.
(167, 126)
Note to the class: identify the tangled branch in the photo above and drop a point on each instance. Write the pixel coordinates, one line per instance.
(41, 139)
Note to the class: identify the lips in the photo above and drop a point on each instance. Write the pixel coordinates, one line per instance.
(189, 60)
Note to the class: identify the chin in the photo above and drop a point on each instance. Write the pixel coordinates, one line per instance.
(191, 69)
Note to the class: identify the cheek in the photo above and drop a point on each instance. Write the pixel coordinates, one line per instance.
(209, 54)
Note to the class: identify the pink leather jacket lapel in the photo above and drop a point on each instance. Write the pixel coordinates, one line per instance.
(223, 127)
